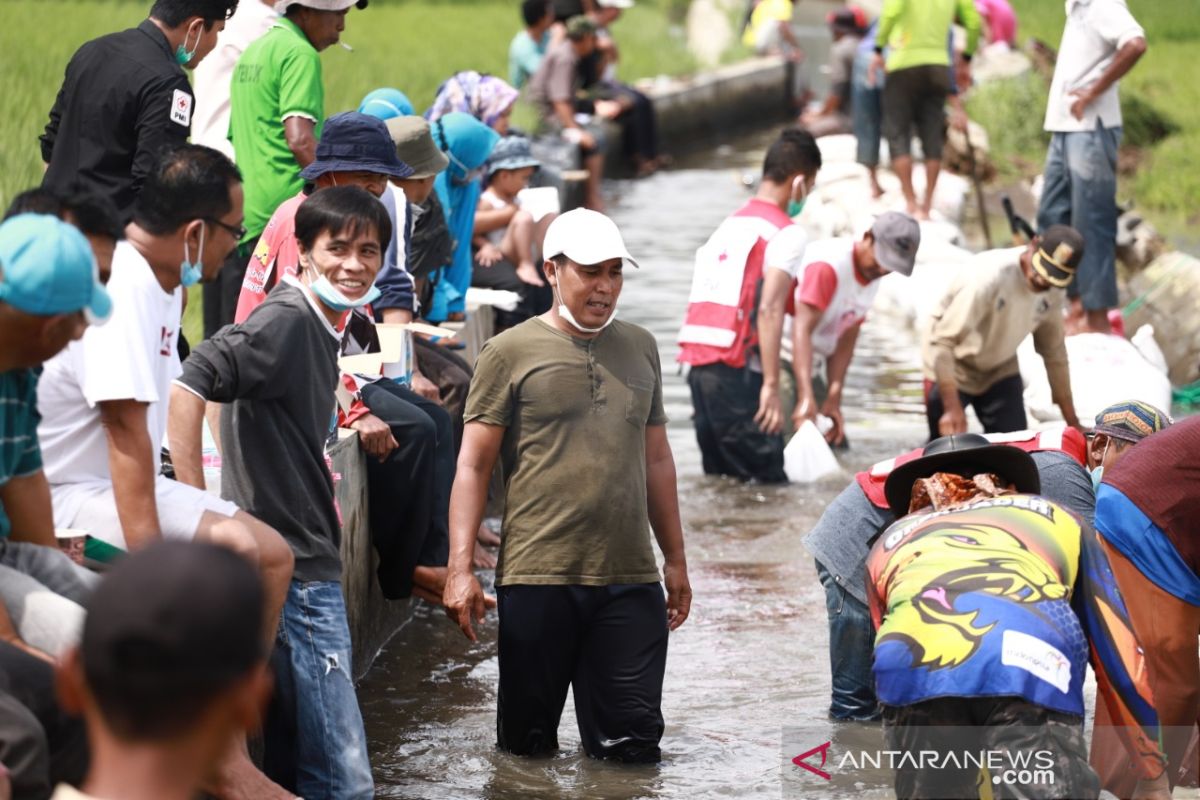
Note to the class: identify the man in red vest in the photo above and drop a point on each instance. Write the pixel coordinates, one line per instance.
(731, 335)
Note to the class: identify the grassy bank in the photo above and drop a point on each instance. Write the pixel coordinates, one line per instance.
(413, 46)
(1166, 174)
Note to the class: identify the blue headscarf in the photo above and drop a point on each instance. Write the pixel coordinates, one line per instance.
(386, 104)
(468, 142)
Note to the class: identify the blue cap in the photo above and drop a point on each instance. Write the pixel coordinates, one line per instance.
(47, 268)
(354, 142)
(511, 152)
(386, 104)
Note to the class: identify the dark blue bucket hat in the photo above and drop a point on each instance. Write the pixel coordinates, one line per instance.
(354, 142)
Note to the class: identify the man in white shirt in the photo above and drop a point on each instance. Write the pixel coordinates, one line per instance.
(1101, 42)
(834, 291)
(103, 399)
(210, 120)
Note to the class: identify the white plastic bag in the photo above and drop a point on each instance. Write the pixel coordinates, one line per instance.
(807, 457)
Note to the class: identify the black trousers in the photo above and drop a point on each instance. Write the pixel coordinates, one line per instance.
(39, 743)
(725, 400)
(452, 375)
(1010, 727)
(608, 643)
(410, 490)
(1001, 409)
(639, 123)
(221, 293)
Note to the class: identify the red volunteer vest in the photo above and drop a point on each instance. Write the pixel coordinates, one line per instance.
(719, 325)
(1066, 440)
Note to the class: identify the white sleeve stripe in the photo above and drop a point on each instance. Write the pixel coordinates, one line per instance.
(183, 385)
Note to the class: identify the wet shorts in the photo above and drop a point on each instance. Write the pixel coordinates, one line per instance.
(92, 507)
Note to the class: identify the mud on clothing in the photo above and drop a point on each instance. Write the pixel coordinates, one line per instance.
(1002, 597)
(575, 413)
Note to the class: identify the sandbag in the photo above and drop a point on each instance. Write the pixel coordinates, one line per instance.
(807, 457)
(1105, 369)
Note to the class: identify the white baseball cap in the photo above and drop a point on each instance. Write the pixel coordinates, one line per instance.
(585, 237)
(623, 4)
(281, 6)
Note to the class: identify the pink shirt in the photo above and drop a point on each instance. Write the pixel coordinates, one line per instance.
(274, 256)
(1001, 20)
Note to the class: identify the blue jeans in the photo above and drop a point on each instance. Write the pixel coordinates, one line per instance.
(851, 644)
(1081, 191)
(331, 745)
(866, 108)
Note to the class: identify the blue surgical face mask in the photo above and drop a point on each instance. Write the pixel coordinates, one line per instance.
(332, 297)
(1098, 471)
(190, 272)
(182, 54)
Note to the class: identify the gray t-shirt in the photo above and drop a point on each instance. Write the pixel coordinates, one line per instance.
(555, 79)
(575, 413)
(277, 373)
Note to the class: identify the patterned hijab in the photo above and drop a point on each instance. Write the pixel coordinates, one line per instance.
(484, 97)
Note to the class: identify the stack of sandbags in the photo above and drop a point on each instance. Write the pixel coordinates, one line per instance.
(1105, 369)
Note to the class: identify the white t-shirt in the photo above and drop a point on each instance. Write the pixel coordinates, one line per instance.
(785, 250)
(1095, 30)
(131, 357)
(210, 120)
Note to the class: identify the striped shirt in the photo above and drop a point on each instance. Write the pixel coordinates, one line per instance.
(19, 451)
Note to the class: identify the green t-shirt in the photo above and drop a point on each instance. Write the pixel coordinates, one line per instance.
(20, 455)
(524, 57)
(916, 31)
(575, 413)
(278, 76)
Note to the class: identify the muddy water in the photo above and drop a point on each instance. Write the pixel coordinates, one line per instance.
(751, 663)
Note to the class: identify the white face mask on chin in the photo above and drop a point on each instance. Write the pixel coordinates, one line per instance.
(566, 314)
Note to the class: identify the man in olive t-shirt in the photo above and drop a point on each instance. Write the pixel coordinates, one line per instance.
(571, 402)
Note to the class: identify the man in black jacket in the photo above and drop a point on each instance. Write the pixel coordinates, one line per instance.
(125, 97)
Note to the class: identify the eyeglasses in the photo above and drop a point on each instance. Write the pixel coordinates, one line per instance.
(238, 232)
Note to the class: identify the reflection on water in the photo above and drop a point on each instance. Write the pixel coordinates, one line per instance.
(751, 661)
